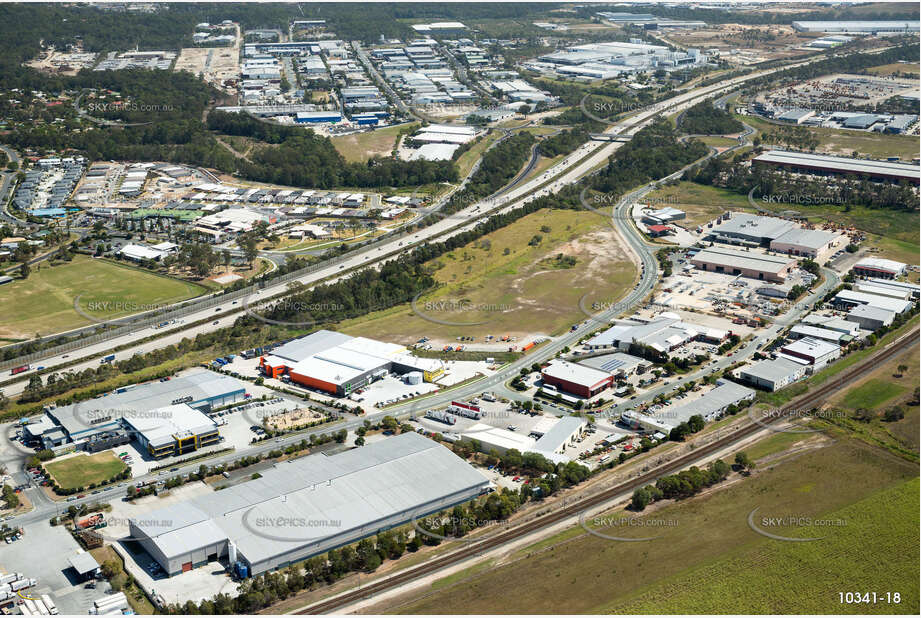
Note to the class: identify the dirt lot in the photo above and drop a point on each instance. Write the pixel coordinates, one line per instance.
(215, 65)
(294, 418)
(765, 42)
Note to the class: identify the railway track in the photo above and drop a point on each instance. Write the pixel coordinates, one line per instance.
(808, 401)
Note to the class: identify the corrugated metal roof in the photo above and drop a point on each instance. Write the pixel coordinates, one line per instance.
(297, 504)
(83, 563)
(195, 387)
(733, 258)
(845, 164)
(754, 226)
(299, 349)
(726, 393)
(578, 374)
(559, 434)
(773, 370)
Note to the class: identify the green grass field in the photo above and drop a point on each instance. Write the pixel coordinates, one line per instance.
(718, 142)
(788, 577)
(44, 303)
(499, 280)
(894, 233)
(708, 560)
(363, 146)
(466, 161)
(881, 389)
(874, 393)
(82, 470)
(846, 141)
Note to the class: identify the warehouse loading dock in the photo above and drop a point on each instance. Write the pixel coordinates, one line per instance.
(346, 497)
(340, 365)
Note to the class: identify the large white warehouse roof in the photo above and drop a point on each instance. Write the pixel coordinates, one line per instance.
(348, 496)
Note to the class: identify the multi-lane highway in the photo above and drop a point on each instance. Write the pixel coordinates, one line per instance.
(570, 170)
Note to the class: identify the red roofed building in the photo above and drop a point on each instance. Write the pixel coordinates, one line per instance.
(658, 230)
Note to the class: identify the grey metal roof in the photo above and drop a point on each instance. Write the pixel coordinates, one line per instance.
(578, 374)
(813, 239)
(83, 563)
(160, 426)
(612, 363)
(725, 394)
(772, 370)
(193, 388)
(842, 164)
(314, 343)
(871, 312)
(297, 504)
(882, 302)
(743, 259)
(818, 332)
(754, 226)
(559, 434)
(830, 322)
(795, 114)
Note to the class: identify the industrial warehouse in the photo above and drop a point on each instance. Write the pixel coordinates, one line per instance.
(549, 438)
(856, 27)
(746, 263)
(339, 364)
(168, 417)
(777, 234)
(664, 333)
(883, 171)
(308, 506)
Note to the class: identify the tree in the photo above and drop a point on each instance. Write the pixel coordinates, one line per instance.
(902, 369)
(696, 423)
(24, 271)
(641, 499)
(895, 413)
(744, 462)
(249, 244)
(359, 441)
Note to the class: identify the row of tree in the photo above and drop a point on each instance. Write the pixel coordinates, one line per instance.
(810, 190)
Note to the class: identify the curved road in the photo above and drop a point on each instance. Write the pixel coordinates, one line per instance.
(570, 170)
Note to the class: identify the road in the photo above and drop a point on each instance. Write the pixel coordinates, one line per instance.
(369, 67)
(571, 510)
(7, 180)
(570, 170)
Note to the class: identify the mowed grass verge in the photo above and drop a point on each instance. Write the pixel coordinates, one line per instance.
(44, 303)
(507, 282)
(581, 573)
(84, 470)
(881, 389)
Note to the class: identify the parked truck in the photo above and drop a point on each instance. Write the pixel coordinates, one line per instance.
(52, 608)
(22, 584)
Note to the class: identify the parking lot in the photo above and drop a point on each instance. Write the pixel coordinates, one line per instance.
(32, 556)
